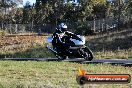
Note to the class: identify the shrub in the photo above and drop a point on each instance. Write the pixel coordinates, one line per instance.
(2, 32)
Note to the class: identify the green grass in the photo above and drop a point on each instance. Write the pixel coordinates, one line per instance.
(33, 52)
(32, 74)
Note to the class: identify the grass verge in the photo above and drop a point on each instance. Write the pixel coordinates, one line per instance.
(33, 52)
(32, 74)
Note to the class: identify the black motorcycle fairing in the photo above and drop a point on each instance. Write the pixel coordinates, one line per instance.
(66, 40)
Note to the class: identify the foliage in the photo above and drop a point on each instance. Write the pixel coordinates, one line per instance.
(53, 12)
(83, 29)
(2, 32)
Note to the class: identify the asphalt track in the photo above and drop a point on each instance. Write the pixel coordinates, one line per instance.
(122, 62)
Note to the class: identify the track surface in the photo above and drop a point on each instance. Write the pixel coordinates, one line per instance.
(79, 60)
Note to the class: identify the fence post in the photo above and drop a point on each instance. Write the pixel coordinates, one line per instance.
(94, 25)
(16, 26)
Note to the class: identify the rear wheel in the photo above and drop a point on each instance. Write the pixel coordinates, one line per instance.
(86, 54)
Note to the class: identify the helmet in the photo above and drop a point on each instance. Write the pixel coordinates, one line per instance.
(62, 27)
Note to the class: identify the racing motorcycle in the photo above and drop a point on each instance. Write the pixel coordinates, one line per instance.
(76, 47)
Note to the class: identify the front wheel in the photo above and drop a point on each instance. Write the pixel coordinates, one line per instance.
(86, 54)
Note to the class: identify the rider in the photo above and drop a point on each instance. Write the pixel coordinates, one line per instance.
(61, 30)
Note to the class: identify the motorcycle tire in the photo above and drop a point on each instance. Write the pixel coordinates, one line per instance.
(86, 54)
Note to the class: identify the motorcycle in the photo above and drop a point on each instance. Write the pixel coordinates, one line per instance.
(76, 47)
